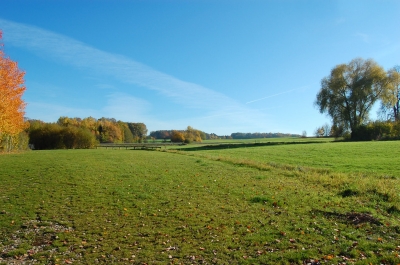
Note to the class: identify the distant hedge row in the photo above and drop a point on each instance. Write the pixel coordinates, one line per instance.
(76, 133)
(377, 130)
(54, 136)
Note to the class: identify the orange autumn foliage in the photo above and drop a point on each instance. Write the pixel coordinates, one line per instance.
(177, 136)
(11, 90)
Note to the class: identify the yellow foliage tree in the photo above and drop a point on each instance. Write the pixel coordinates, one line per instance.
(177, 137)
(192, 134)
(109, 132)
(11, 104)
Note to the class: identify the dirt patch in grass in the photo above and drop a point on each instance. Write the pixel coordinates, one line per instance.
(32, 243)
(352, 217)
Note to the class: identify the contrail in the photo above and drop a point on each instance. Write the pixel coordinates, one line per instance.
(274, 95)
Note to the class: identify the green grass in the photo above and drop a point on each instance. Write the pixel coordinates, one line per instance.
(379, 158)
(136, 207)
(272, 140)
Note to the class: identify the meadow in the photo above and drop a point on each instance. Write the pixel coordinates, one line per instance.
(380, 158)
(271, 140)
(315, 203)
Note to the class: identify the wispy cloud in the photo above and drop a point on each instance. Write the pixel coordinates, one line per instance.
(364, 37)
(340, 21)
(278, 94)
(124, 69)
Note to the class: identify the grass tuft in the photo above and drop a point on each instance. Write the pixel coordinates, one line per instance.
(393, 210)
(348, 193)
(258, 199)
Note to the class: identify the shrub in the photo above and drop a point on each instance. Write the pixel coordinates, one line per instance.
(377, 130)
(14, 142)
(177, 137)
(54, 136)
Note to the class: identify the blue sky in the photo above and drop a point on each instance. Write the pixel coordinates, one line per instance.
(219, 66)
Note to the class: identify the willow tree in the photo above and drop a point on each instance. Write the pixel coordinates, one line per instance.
(11, 104)
(391, 107)
(349, 92)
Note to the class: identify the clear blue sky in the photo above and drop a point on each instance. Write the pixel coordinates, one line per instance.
(220, 66)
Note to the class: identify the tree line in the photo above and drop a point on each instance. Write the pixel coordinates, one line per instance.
(69, 133)
(167, 134)
(261, 135)
(348, 94)
(182, 136)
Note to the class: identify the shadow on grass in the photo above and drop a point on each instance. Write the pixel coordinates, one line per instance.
(242, 145)
(351, 217)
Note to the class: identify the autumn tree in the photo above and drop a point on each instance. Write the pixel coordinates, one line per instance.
(177, 137)
(11, 104)
(139, 130)
(126, 132)
(319, 132)
(90, 123)
(323, 131)
(109, 131)
(66, 121)
(349, 92)
(203, 135)
(192, 134)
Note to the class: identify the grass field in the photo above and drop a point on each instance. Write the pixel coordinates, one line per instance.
(266, 140)
(379, 158)
(238, 206)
